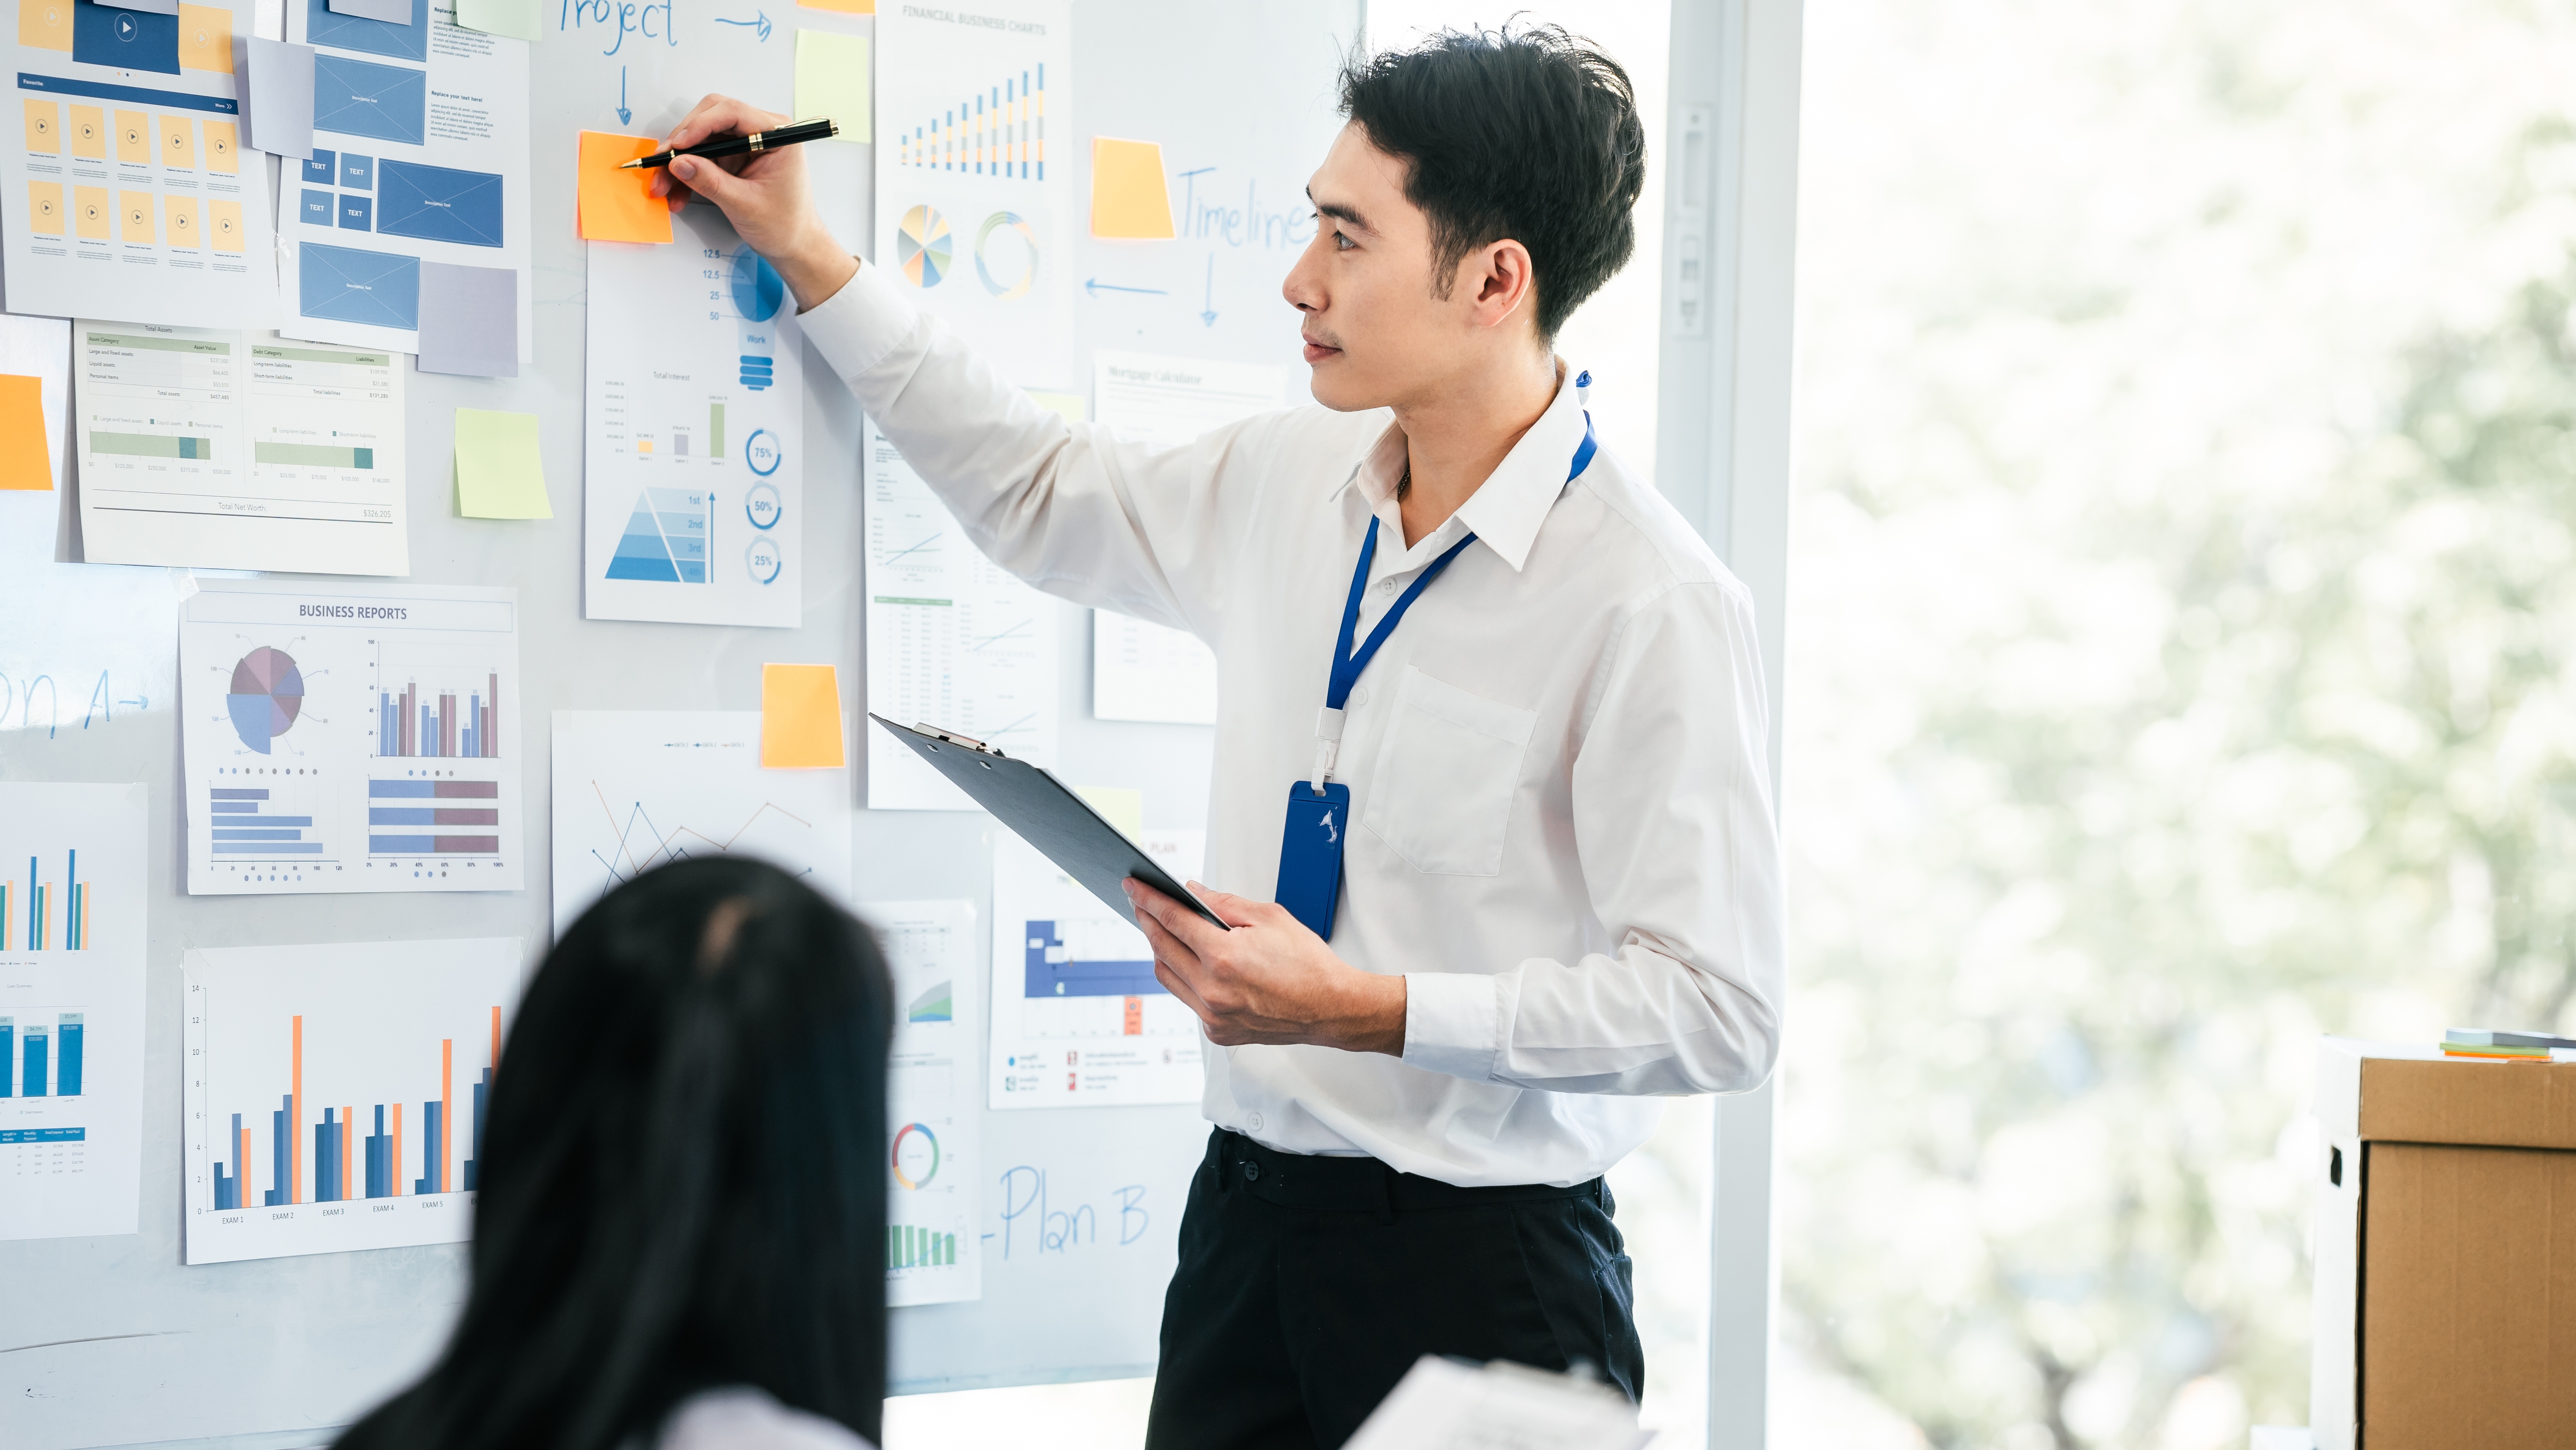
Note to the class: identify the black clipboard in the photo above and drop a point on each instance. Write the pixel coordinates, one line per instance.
(1047, 815)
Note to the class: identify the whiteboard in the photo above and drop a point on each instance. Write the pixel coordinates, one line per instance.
(110, 1341)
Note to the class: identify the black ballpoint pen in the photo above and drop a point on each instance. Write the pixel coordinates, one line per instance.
(757, 141)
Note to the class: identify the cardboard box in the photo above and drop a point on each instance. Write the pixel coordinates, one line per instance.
(2446, 1251)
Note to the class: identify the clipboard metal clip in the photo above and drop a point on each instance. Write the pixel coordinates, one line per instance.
(953, 738)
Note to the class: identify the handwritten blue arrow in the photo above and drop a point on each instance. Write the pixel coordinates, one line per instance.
(624, 115)
(1209, 315)
(1095, 287)
(762, 20)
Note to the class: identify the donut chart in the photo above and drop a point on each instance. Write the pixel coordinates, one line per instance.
(916, 1156)
(923, 247)
(266, 695)
(1028, 273)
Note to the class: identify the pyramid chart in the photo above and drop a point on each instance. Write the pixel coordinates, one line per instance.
(666, 538)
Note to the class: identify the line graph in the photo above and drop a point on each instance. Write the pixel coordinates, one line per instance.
(625, 863)
(643, 789)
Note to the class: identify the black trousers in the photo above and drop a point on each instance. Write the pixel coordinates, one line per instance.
(1308, 1286)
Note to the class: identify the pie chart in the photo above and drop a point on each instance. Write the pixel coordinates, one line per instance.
(267, 693)
(922, 244)
(756, 286)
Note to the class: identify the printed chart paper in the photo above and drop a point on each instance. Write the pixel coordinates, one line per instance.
(693, 506)
(336, 1094)
(975, 153)
(420, 154)
(128, 194)
(934, 1250)
(953, 640)
(635, 789)
(73, 910)
(236, 450)
(1078, 1017)
(1143, 671)
(348, 738)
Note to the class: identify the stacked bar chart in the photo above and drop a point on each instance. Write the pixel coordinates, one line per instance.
(433, 817)
(997, 131)
(435, 727)
(325, 1113)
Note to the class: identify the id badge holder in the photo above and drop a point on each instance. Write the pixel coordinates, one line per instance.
(1310, 853)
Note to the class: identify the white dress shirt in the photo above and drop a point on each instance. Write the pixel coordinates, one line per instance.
(743, 1417)
(1564, 835)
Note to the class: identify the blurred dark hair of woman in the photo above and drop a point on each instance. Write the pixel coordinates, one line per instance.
(680, 1240)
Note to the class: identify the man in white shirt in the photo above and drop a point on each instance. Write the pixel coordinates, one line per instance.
(1519, 875)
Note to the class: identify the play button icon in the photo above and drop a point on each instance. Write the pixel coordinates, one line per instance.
(126, 28)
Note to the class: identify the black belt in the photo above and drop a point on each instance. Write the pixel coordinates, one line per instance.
(1361, 1185)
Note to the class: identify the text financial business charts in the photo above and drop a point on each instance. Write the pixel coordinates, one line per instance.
(975, 205)
(420, 155)
(1079, 1019)
(341, 738)
(237, 450)
(71, 1008)
(1141, 670)
(335, 1095)
(934, 1248)
(693, 503)
(126, 193)
(636, 789)
(953, 640)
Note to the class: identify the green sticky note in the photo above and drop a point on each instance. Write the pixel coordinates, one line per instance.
(832, 81)
(514, 18)
(498, 473)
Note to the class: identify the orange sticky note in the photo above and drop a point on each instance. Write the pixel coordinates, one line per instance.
(800, 717)
(846, 7)
(26, 461)
(1128, 198)
(618, 206)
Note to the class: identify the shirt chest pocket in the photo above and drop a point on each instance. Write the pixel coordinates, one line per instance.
(1446, 775)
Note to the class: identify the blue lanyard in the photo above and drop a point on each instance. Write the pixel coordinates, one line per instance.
(1347, 663)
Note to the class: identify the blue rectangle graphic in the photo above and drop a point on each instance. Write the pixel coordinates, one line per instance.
(266, 848)
(356, 213)
(439, 204)
(362, 98)
(317, 208)
(142, 95)
(126, 39)
(344, 284)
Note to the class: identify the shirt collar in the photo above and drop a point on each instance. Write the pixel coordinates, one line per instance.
(1507, 510)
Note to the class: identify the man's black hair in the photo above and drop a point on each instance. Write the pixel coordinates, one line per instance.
(1526, 134)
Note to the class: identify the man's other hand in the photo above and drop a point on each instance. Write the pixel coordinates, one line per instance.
(767, 197)
(1269, 980)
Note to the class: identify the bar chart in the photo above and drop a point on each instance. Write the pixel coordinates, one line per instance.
(1078, 1015)
(41, 911)
(337, 1095)
(410, 724)
(71, 1007)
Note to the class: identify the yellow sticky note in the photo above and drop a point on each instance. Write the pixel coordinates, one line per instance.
(800, 717)
(206, 38)
(26, 461)
(1065, 405)
(1118, 805)
(832, 81)
(498, 472)
(846, 7)
(619, 206)
(1128, 198)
